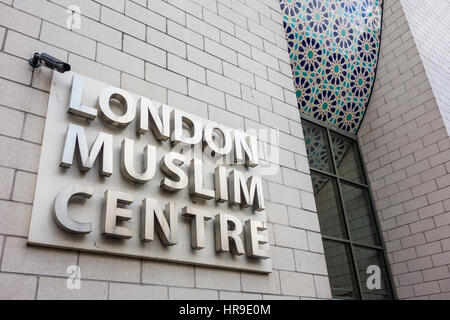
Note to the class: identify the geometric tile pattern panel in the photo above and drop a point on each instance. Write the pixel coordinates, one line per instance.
(333, 47)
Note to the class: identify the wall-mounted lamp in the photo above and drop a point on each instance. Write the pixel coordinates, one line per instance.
(55, 64)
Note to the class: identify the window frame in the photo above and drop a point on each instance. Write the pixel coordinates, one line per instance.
(351, 243)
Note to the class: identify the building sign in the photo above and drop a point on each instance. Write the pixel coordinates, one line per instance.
(123, 174)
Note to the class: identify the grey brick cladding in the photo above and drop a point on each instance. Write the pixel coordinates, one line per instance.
(226, 60)
(406, 149)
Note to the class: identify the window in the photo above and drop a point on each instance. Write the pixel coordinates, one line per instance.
(354, 250)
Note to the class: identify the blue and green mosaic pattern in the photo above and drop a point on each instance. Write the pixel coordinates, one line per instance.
(333, 47)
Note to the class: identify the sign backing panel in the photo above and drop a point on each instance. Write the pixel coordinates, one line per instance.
(52, 179)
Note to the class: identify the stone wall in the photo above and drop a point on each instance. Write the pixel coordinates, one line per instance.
(225, 60)
(406, 149)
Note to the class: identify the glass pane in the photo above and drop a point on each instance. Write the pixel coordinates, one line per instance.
(340, 270)
(317, 147)
(328, 205)
(372, 274)
(359, 214)
(348, 161)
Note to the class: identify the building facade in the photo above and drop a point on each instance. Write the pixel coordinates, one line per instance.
(405, 140)
(349, 105)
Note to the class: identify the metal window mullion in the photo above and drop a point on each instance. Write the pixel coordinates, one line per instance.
(367, 246)
(327, 126)
(335, 239)
(347, 226)
(324, 173)
(377, 225)
(358, 244)
(354, 183)
(332, 175)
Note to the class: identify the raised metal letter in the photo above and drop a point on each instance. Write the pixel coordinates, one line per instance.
(112, 213)
(76, 136)
(128, 104)
(250, 145)
(197, 226)
(127, 162)
(195, 128)
(61, 213)
(208, 137)
(75, 106)
(160, 128)
(227, 229)
(170, 165)
(248, 193)
(196, 188)
(220, 183)
(253, 239)
(167, 231)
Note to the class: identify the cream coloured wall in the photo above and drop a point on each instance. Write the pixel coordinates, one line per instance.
(223, 60)
(406, 149)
